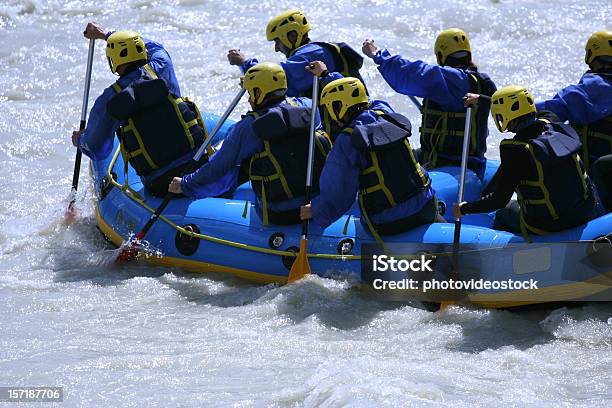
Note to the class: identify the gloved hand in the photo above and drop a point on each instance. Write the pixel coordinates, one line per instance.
(235, 57)
(94, 31)
(368, 48)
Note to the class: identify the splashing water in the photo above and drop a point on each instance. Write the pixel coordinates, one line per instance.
(134, 335)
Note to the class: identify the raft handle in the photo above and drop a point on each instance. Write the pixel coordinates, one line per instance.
(276, 240)
(107, 185)
(187, 244)
(345, 247)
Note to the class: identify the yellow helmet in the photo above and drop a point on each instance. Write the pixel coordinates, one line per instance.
(599, 45)
(291, 20)
(509, 103)
(123, 47)
(346, 91)
(451, 41)
(265, 76)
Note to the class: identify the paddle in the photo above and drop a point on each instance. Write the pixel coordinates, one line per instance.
(77, 161)
(130, 250)
(416, 103)
(457, 235)
(301, 266)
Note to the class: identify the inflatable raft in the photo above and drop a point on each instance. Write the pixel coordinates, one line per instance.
(227, 235)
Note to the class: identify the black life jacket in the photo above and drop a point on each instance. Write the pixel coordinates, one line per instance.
(393, 175)
(157, 127)
(596, 138)
(442, 131)
(348, 62)
(278, 172)
(557, 185)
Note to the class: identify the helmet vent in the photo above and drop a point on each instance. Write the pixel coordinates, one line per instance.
(529, 100)
(304, 21)
(355, 93)
(515, 106)
(123, 52)
(138, 49)
(499, 118)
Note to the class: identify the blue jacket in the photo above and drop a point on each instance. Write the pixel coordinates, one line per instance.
(220, 174)
(98, 138)
(299, 81)
(588, 101)
(442, 84)
(342, 168)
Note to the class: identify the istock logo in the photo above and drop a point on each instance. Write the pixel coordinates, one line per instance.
(384, 263)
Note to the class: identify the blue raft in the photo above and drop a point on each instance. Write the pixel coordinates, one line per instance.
(227, 235)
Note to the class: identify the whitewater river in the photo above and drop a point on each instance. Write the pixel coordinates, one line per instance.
(142, 336)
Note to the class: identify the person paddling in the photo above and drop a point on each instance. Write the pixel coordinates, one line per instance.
(442, 86)
(372, 159)
(159, 131)
(587, 106)
(290, 32)
(542, 164)
(270, 142)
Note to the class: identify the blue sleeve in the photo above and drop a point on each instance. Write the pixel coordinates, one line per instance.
(240, 144)
(248, 64)
(160, 61)
(98, 138)
(586, 102)
(377, 104)
(341, 169)
(299, 81)
(332, 76)
(444, 85)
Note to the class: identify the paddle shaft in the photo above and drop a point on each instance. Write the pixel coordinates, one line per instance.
(416, 103)
(193, 166)
(464, 161)
(311, 143)
(77, 160)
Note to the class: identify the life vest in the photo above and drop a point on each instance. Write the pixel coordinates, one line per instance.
(278, 172)
(442, 131)
(557, 184)
(157, 127)
(596, 138)
(393, 175)
(348, 62)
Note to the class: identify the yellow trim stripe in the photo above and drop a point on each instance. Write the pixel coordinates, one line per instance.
(193, 266)
(183, 231)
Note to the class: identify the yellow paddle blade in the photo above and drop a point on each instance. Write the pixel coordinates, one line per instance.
(300, 266)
